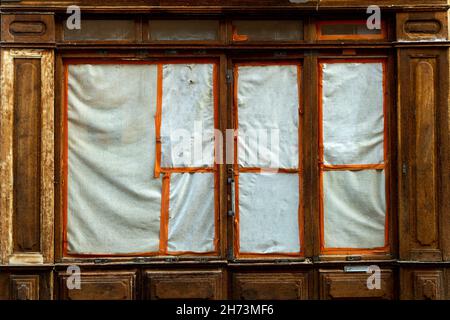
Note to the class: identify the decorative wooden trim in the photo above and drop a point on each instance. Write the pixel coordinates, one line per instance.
(176, 284)
(269, 286)
(28, 28)
(8, 256)
(336, 284)
(24, 287)
(104, 285)
(428, 285)
(423, 142)
(431, 26)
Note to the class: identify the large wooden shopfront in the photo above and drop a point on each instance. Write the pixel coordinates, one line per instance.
(87, 177)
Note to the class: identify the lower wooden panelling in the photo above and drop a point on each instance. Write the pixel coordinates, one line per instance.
(337, 284)
(270, 286)
(409, 282)
(179, 284)
(25, 285)
(98, 285)
(424, 284)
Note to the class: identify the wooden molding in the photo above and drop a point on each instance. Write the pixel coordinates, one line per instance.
(269, 286)
(429, 26)
(423, 104)
(428, 285)
(207, 284)
(24, 287)
(28, 28)
(22, 93)
(100, 285)
(336, 284)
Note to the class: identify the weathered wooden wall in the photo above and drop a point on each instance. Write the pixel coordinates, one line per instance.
(31, 261)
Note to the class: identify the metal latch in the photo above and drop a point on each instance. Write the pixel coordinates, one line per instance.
(100, 261)
(229, 76)
(356, 269)
(353, 258)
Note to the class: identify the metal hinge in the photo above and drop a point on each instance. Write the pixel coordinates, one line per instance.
(231, 213)
(230, 180)
(404, 168)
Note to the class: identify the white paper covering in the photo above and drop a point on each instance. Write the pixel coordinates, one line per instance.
(268, 213)
(113, 199)
(187, 112)
(268, 102)
(354, 209)
(191, 212)
(353, 122)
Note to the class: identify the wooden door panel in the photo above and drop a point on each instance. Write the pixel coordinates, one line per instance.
(184, 285)
(271, 286)
(101, 285)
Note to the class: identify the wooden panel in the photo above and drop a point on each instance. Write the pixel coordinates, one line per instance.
(184, 285)
(26, 154)
(335, 284)
(428, 285)
(25, 283)
(422, 284)
(423, 99)
(425, 146)
(100, 286)
(270, 286)
(24, 287)
(422, 26)
(28, 28)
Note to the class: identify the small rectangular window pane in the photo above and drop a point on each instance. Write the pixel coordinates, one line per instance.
(184, 30)
(268, 122)
(187, 128)
(334, 30)
(102, 30)
(354, 209)
(191, 213)
(269, 213)
(267, 30)
(353, 115)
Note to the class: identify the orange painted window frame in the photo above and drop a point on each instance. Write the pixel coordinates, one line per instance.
(164, 217)
(380, 36)
(385, 166)
(237, 169)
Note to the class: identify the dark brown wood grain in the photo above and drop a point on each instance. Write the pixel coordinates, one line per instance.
(419, 159)
(422, 140)
(100, 285)
(187, 285)
(26, 150)
(335, 284)
(271, 286)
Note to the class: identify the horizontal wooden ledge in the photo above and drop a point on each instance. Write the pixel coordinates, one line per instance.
(60, 6)
(187, 46)
(308, 263)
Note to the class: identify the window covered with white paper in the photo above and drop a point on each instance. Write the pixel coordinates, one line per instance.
(267, 102)
(113, 199)
(353, 156)
(116, 205)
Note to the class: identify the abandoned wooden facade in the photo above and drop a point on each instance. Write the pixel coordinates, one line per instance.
(414, 47)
